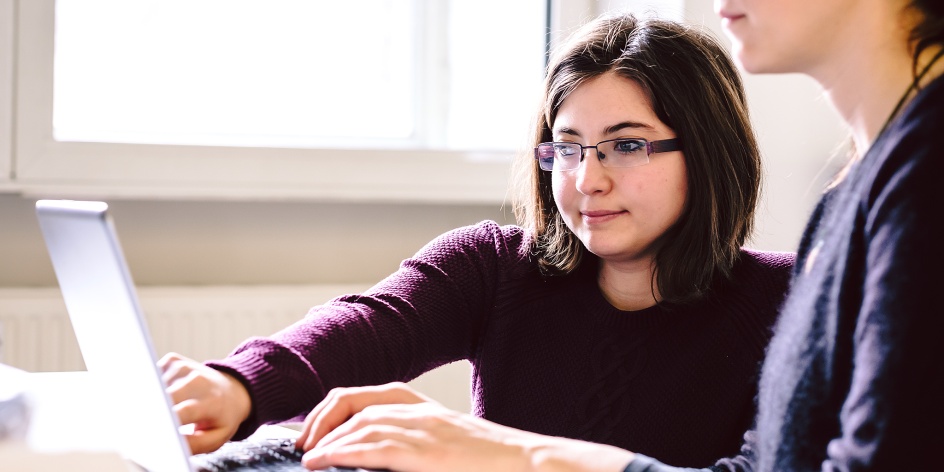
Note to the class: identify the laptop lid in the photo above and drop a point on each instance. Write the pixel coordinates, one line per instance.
(112, 332)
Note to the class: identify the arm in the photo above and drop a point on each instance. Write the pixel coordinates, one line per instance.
(427, 314)
(393, 427)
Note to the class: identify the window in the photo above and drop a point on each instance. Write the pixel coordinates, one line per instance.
(379, 99)
(221, 72)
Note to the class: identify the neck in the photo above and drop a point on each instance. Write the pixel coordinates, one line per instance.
(866, 76)
(628, 287)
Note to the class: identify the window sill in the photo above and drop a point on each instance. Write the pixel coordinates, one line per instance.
(92, 170)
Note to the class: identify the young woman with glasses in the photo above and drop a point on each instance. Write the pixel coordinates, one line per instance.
(624, 310)
(853, 376)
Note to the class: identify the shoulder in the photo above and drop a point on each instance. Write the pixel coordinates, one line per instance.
(484, 239)
(900, 178)
(925, 113)
(767, 261)
(764, 272)
(751, 298)
(914, 141)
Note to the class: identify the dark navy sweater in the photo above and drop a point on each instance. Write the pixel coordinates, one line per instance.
(854, 377)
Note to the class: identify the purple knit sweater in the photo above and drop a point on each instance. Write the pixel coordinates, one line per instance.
(549, 354)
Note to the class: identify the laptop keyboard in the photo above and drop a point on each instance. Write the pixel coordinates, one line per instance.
(272, 455)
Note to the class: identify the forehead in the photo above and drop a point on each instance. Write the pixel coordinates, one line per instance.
(603, 101)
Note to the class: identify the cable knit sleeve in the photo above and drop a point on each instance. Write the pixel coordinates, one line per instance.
(428, 313)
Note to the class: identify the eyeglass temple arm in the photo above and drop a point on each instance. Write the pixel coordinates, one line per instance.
(664, 145)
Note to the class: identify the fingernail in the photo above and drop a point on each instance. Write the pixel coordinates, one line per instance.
(311, 459)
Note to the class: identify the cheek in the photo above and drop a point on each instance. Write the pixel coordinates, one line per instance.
(560, 185)
(681, 198)
(664, 192)
(765, 56)
(782, 40)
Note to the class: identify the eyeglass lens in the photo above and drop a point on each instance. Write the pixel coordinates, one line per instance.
(611, 153)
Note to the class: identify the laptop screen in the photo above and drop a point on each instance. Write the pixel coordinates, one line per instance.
(112, 332)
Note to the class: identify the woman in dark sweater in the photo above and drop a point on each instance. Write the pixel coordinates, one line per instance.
(854, 375)
(624, 310)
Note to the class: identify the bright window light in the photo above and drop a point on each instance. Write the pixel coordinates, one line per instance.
(298, 73)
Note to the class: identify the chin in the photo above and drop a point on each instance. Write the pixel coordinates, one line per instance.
(755, 62)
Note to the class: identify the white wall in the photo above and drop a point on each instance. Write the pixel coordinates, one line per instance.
(186, 242)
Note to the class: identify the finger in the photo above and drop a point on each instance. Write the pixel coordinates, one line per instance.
(378, 446)
(366, 456)
(191, 412)
(334, 413)
(175, 374)
(207, 440)
(345, 417)
(192, 386)
(399, 392)
(168, 358)
(341, 403)
(177, 369)
(403, 417)
(302, 442)
(314, 426)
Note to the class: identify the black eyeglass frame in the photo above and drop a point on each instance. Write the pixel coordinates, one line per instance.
(652, 147)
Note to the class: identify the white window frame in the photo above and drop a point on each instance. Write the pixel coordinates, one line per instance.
(38, 165)
(6, 92)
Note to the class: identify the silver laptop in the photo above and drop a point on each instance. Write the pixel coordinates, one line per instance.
(113, 336)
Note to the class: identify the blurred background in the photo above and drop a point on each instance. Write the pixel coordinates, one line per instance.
(261, 157)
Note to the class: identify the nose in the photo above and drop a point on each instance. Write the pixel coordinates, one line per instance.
(592, 177)
(718, 5)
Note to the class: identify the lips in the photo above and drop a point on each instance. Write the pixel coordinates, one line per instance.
(728, 16)
(591, 217)
(599, 213)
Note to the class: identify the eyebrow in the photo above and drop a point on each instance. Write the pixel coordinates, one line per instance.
(609, 129)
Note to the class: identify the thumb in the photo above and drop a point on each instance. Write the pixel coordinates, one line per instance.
(202, 441)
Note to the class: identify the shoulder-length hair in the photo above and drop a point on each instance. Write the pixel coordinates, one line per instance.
(695, 89)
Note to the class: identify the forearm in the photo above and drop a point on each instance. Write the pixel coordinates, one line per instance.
(598, 458)
(553, 454)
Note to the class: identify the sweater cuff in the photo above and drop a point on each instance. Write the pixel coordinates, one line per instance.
(280, 389)
(642, 463)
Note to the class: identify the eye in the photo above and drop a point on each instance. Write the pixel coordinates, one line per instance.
(566, 150)
(629, 146)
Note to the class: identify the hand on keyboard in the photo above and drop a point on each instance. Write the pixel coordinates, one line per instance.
(270, 455)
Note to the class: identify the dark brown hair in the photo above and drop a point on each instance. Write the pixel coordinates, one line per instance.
(930, 30)
(695, 89)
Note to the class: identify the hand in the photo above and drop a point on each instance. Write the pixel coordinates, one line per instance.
(342, 403)
(427, 437)
(214, 402)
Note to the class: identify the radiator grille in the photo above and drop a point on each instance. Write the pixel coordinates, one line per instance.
(202, 323)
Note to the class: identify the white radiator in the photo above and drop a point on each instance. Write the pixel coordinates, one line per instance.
(199, 322)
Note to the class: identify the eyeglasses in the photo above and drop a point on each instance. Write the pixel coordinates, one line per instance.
(622, 152)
